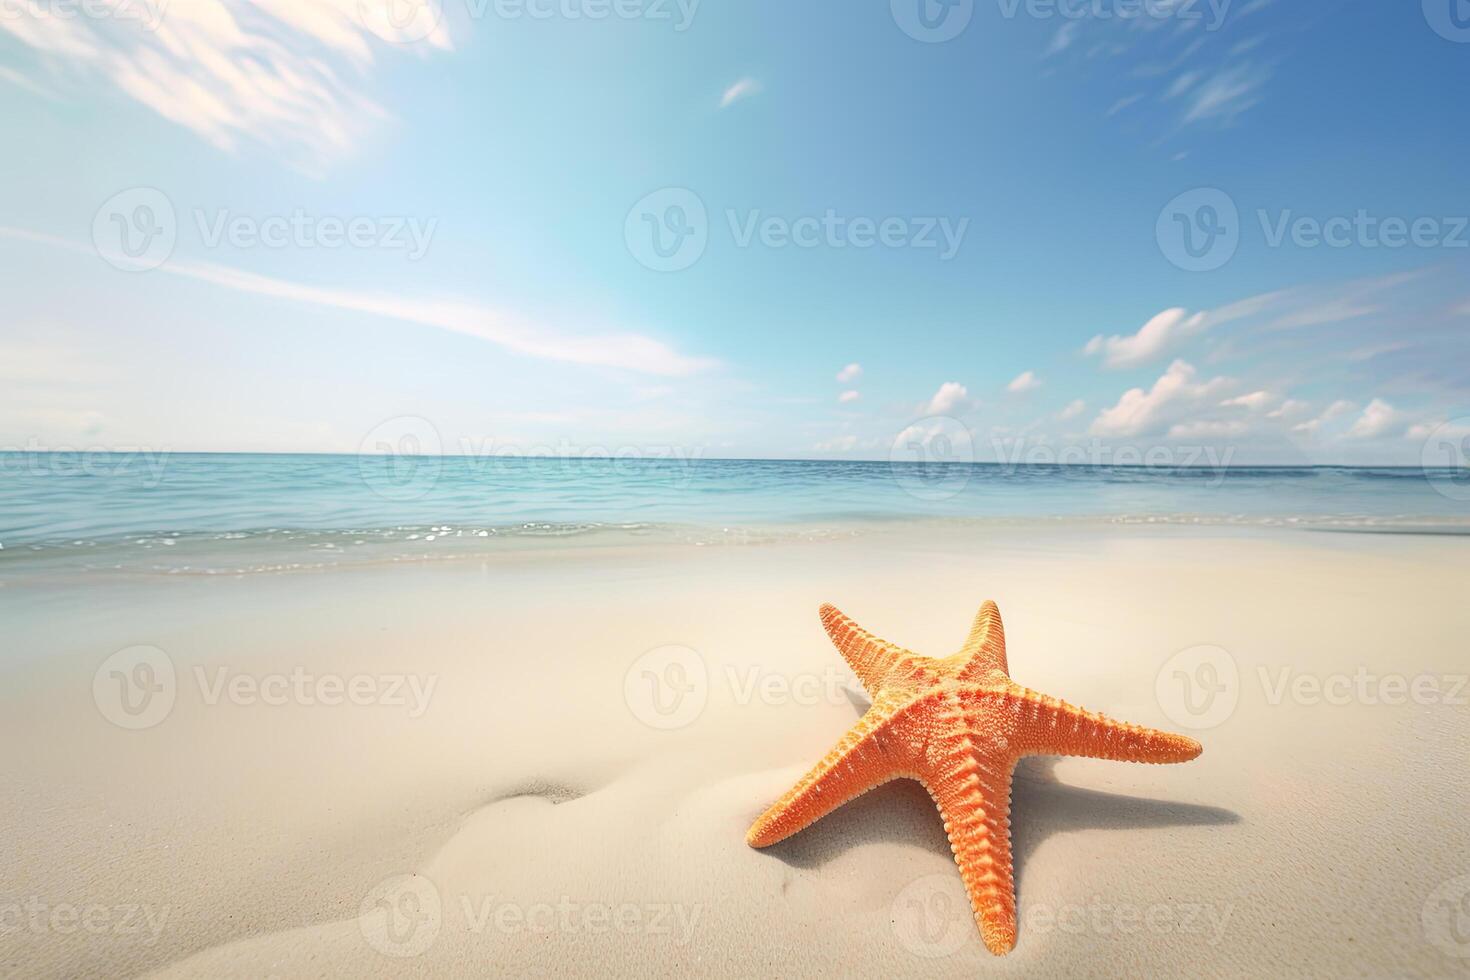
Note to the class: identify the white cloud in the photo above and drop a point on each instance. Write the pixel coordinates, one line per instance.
(743, 89)
(1154, 338)
(848, 396)
(1255, 401)
(1207, 429)
(629, 351)
(1287, 409)
(1336, 409)
(1453, 436)
(287, 75)
(1023, 382)
(850, 373)
(951, 396)
(1072, 410)
(1375, 421)
(1167, 403)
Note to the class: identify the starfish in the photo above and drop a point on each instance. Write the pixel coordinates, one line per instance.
(958, 725)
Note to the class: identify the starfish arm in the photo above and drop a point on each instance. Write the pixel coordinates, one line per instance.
(973, 793)
(1049, 726)
(985, 648)
(869, 755)
(868, 656)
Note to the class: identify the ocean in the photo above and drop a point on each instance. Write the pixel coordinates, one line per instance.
(235, 512)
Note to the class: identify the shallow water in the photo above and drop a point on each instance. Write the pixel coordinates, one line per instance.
(227, 512)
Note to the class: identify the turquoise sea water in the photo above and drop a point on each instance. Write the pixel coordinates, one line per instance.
(116, 506)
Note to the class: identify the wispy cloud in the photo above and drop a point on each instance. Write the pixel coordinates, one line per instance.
(1023, 382)
(287, 75)
(1226, 94)
(628, 351)
(850, 373)
(743, 89)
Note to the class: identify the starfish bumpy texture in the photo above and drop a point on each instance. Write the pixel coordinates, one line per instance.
(958, 725)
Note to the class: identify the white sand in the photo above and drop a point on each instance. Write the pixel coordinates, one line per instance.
(546, 830)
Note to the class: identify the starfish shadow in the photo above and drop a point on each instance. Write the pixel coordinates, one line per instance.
(1040, 807)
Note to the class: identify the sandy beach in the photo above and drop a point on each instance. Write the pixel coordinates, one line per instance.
(544, 762)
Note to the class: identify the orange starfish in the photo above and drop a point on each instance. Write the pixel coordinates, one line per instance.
(957, 725)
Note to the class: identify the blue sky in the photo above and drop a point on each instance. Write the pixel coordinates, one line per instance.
(1160, 225)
